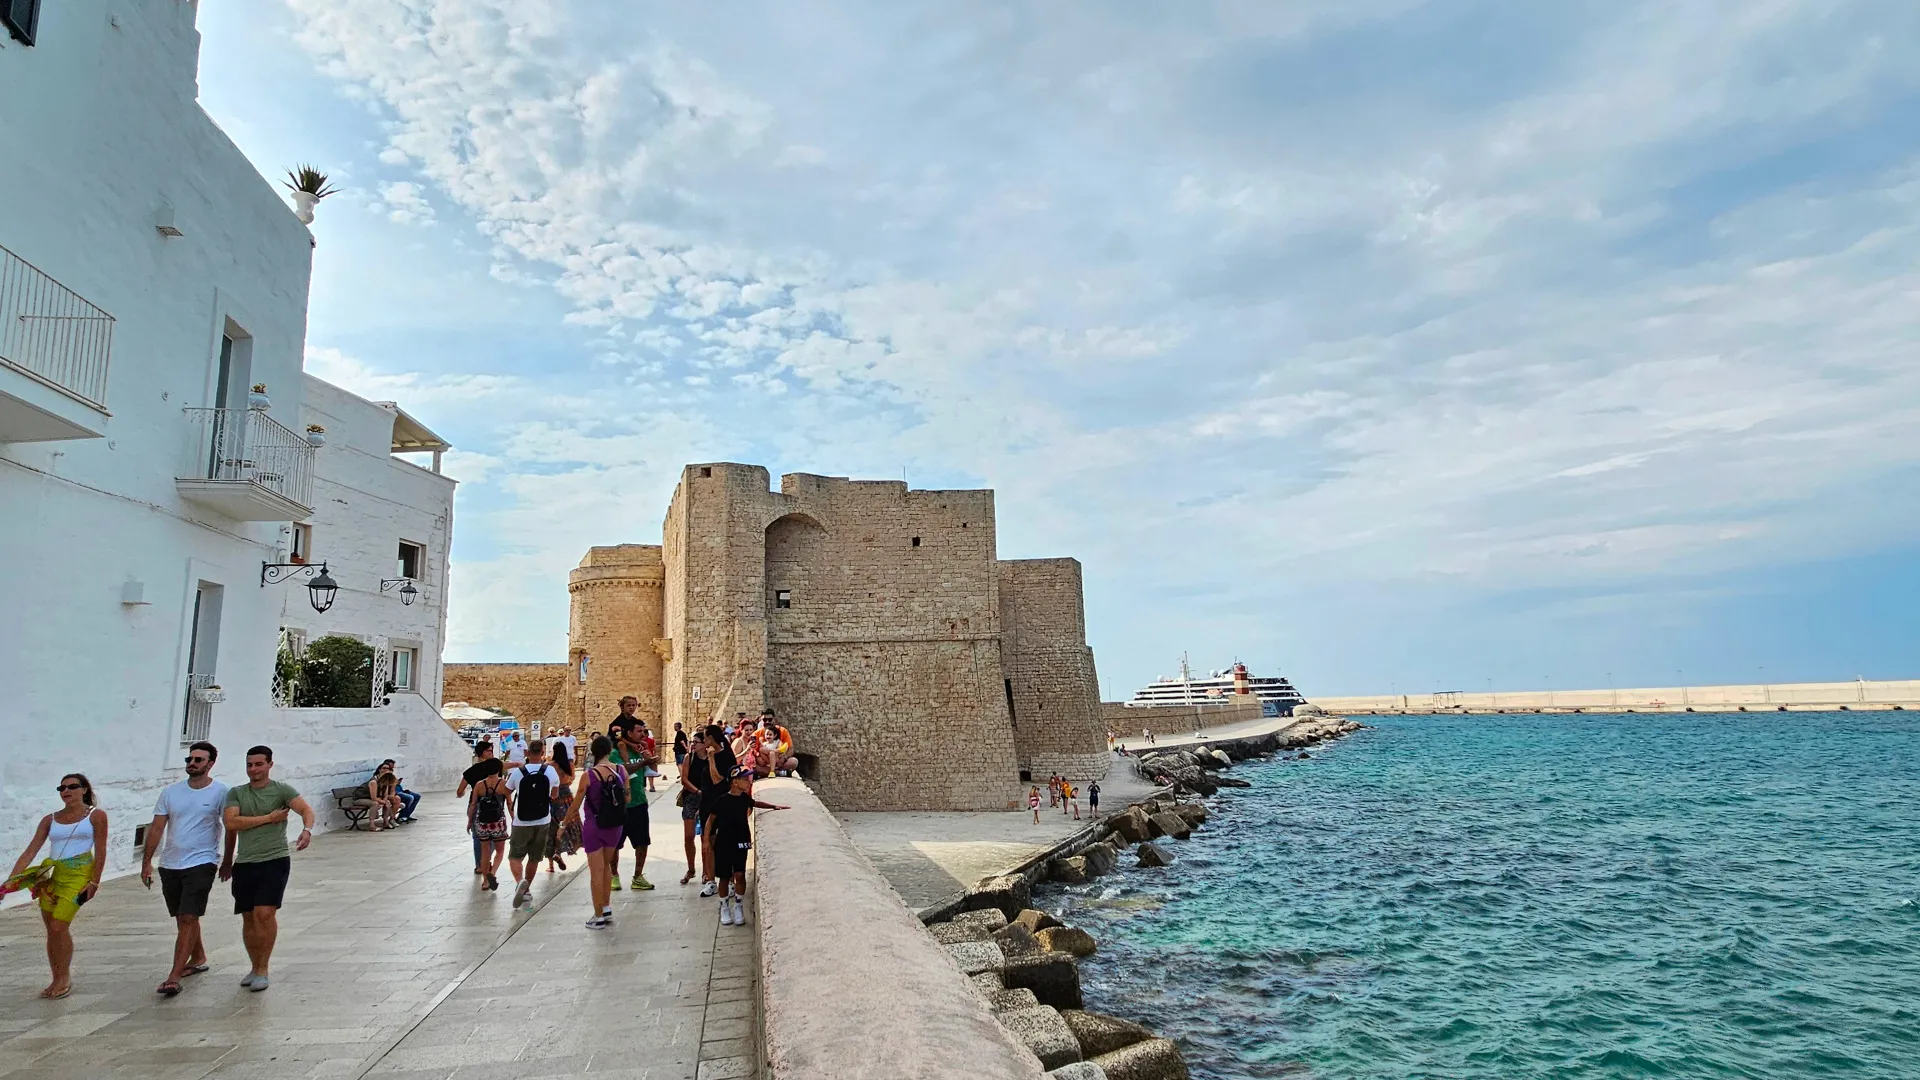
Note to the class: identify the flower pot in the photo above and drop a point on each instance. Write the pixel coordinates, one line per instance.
(316, 439)
(258, 400)
(303, 204)
(209, 695)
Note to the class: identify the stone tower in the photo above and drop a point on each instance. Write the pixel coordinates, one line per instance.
(615, 625)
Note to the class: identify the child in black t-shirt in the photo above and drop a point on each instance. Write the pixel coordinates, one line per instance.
(728, 822)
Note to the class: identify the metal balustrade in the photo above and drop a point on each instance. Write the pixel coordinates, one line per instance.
(199, 719)
(52, 333)
(247, 445)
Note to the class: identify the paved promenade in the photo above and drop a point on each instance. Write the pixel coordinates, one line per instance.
(392, 963)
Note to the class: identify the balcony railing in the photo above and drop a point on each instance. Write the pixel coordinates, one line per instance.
(49, 332)
(246, 446)
(198, 724)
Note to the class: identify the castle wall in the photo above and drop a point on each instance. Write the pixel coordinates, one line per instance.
(531, 692)
(1049, 670)
(615, 619)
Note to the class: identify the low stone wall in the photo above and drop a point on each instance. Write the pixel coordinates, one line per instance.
(1176, 719)
(533, 693)
(852, 986)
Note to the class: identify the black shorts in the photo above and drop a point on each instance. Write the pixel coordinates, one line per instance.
(638, 830)
(260, 884)
(729, 856)
(187, 889)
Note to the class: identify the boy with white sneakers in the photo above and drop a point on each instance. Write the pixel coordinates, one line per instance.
(729, 825)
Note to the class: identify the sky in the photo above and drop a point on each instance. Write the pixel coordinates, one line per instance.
(1386, 345)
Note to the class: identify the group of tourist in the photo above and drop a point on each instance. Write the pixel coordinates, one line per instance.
(201, 830)
(393, 805)
(1062, 793)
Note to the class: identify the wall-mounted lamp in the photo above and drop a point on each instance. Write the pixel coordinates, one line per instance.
(320, 586)
(163, 221)
(408, 594)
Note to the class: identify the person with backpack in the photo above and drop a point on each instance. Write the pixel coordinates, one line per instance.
(600, 805)
(488, 803)
(533, 786)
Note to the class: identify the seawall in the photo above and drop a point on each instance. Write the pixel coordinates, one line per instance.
(1757, 697)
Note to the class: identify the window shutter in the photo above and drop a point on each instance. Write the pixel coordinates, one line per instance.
(22, 18)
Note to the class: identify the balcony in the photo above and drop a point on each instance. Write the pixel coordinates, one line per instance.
(247, 466)
(54, 348)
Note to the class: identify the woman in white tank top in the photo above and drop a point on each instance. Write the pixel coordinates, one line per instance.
(76, 839)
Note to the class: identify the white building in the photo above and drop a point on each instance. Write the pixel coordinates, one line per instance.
(149, 276)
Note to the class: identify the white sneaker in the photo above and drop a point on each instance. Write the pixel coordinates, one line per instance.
(739, 912)
(726, 913)
(709, 888)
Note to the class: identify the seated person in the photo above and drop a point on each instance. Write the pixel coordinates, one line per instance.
(779, 746)
(384, 790)
(408, 799)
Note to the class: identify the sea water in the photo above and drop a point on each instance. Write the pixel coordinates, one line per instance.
(1539, 896)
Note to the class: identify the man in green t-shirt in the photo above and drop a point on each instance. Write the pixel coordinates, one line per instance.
(257, 813)
(630, 753)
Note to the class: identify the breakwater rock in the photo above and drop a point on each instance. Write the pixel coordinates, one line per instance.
(1196, 769)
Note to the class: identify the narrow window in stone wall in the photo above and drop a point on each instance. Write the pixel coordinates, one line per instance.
(22, 18)
(783, 598)
(412, 561)
(302, 544)
(403, 664)
(1011, 716)
(916, 541)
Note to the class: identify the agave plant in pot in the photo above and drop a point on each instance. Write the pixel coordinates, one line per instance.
(309, 185)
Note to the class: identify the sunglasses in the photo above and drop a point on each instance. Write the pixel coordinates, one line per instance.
(198, 760)
(71, 787)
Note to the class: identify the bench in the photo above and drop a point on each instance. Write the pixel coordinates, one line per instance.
(353, 802)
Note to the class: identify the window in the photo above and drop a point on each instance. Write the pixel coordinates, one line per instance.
(22, 18)
(413, 560)
(916, 541)
(403, 665)
(783, 598)
(706, 470)
(302, 544)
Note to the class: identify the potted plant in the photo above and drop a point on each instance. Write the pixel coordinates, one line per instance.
(309, 185)
(316, 436)
(257, 397)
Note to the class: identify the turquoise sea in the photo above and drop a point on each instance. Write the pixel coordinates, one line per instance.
(1525, 896)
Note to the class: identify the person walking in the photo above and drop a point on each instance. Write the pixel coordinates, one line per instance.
(1073, 797)
(600, 805)
(630, 756)
(258, 811)
(484, 765)
(732, 839)
(625, 721)
(566, 831)
(1093, 798)
(488, 806)
(714, 779)
(533, 785)
(515, 748)
(688, 800)
(186, 834)
(76, 840)
(1033, 803)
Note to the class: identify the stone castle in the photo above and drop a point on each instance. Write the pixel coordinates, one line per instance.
(915, 668)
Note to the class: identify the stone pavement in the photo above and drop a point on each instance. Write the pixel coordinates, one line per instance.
(392, 963)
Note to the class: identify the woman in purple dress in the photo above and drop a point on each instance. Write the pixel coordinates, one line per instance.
(599, 810)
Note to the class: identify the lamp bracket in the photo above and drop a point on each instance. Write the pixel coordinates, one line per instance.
(275, 573)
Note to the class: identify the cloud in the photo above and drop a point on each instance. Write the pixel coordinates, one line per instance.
(1341, 292)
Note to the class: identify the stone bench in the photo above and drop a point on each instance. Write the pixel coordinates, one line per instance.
(354, 803)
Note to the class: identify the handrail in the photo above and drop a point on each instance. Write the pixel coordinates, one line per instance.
(53, 333)
(247, 445)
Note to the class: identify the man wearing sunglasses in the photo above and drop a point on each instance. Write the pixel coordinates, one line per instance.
(186, 832)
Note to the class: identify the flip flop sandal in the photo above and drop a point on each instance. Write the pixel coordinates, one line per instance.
(197, 969)
(58, 996)
(168, 988)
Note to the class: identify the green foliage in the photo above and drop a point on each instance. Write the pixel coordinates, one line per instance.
(310, 180)
(335, 673)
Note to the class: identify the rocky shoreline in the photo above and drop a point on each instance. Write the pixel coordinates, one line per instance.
(1022, 961)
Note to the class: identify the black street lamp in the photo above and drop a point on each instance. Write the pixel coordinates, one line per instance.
(408, 594)
(320, 585)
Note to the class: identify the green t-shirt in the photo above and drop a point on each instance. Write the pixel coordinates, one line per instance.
(636, 776)
(266, 841)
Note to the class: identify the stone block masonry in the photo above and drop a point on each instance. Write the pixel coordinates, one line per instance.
(533, 693)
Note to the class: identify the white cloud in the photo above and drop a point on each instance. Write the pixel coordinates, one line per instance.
(406, 203)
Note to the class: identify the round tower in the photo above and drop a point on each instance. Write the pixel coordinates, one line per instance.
(617, 596)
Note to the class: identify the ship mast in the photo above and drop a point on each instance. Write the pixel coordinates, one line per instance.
(1186, 681)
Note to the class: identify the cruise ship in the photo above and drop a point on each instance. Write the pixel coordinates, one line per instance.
(1277, 695)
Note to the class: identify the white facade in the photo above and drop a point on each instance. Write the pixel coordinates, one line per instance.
(144, 256)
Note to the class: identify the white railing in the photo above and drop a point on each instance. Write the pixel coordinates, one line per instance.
(250, 446)
(199, 719)
(51, 333)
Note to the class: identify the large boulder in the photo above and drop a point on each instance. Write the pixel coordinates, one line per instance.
(952, 933)
(975, 957)
(1067, 939)
(1007, 1000)
(990, 919)
(1015, 939)
(1099, 1033)
(1232, 781)
(1100, 858)
(1042, 1031)
(1152, 855)
(1068, 871)
(1051, 976)
(1197, 780)
(986, 985)
(1152, 1059)
(1008, 893)
(1131, 826)
(1035, 920)
(1208, 758)
(1193, 812)
(1172, 824)
(1079, 1070)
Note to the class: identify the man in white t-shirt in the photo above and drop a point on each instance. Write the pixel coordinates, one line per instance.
(187, 833)
(516, 749)
(533, 785)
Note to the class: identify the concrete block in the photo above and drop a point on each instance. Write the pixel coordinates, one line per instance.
(1042, 1031)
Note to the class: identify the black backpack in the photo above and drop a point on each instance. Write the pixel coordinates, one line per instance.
(489, 808)
(534, 798)
(610, 804)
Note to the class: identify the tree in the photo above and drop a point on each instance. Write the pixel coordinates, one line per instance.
(335, 673)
